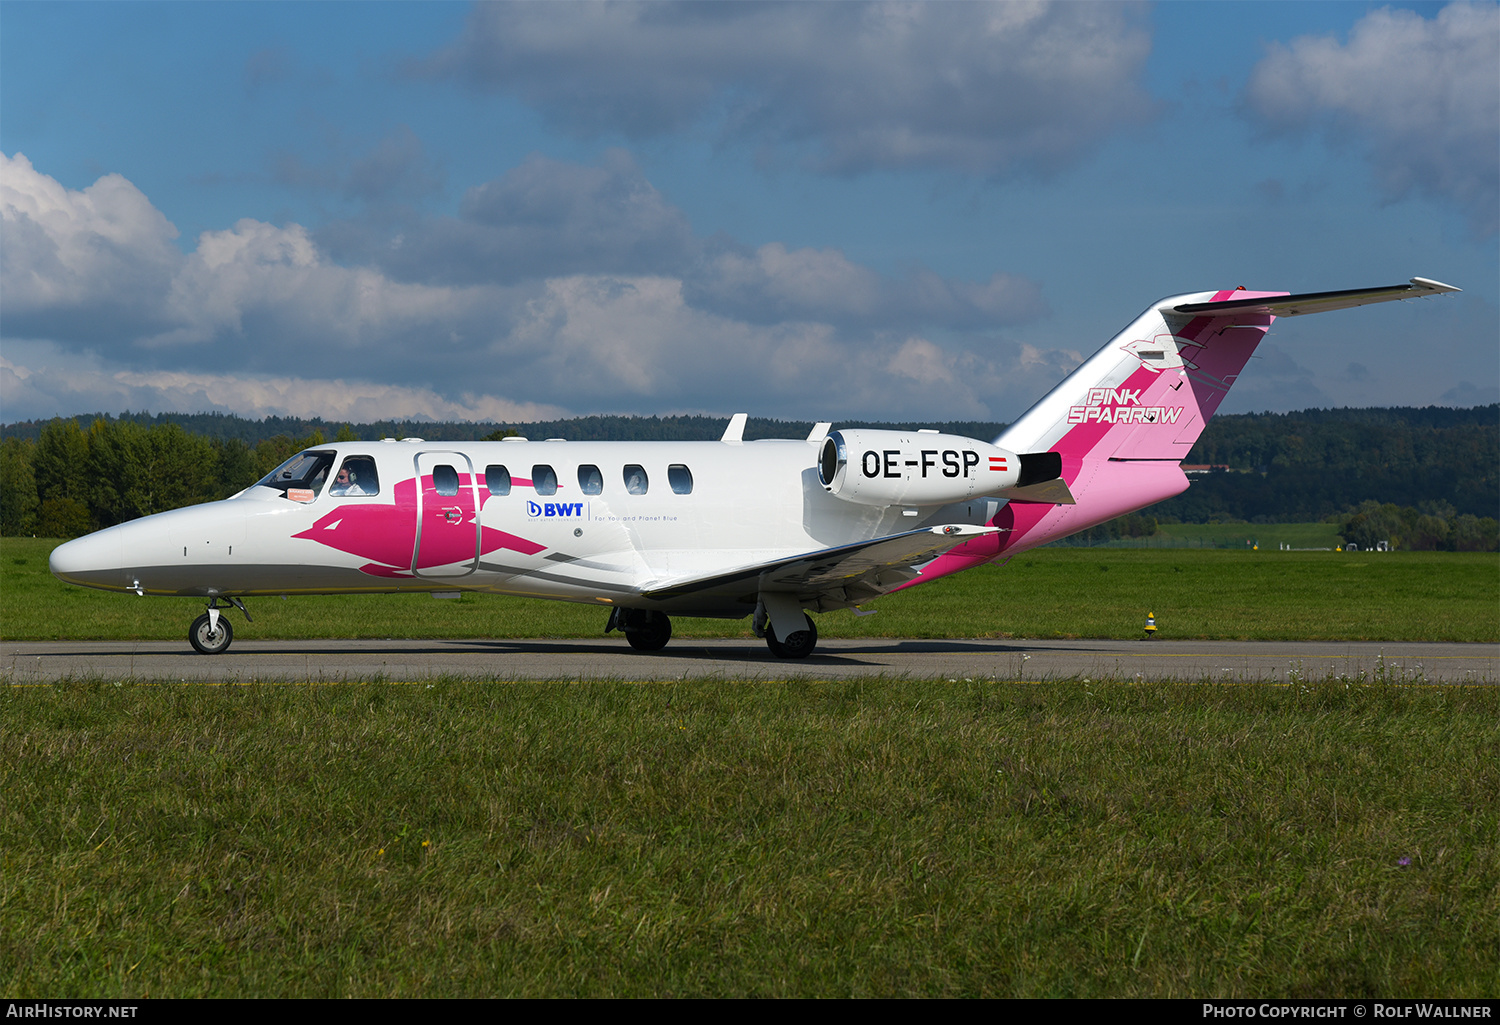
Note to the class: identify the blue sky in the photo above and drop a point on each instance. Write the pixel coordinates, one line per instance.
(809, 211)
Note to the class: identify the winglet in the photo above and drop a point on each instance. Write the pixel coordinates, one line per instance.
(818, 433)
(735, 432)
(1436, 286)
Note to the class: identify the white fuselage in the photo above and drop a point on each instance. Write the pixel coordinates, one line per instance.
(434, 524)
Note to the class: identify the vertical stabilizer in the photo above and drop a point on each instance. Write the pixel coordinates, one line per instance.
(1149, 392)
(1123, 421)
(1126, 418)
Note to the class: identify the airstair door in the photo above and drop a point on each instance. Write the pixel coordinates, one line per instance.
(447, 516)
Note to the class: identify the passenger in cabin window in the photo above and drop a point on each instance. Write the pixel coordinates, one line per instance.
(635, 479)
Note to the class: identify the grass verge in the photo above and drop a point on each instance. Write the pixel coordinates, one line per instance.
(865, 838)
(1200, 594)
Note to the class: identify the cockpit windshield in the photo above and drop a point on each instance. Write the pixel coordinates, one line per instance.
(301, 477)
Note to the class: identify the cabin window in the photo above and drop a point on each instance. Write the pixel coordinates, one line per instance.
(445, 479)
(681, 479)
(356, 477)
(497, 479)
(590, 480)
(544, 479)
(636, 481)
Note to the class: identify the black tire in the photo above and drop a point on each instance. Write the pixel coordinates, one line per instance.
(798, 645)
(652, 633)
(208, 641)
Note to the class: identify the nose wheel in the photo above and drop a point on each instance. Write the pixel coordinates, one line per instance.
(208, 637)
(211, 633)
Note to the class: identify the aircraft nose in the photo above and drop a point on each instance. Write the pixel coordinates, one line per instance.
(92, 561)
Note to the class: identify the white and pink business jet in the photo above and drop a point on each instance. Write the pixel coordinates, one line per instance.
(723, 528)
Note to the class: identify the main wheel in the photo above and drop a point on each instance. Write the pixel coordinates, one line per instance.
(798, 645)
(652, 633)
(206, 639)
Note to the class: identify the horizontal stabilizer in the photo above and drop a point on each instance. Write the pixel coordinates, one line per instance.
(1318, 302)
(833, 577)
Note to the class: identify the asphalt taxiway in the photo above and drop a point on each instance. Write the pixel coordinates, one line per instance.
(250, 661)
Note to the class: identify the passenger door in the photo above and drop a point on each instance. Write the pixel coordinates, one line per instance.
(447, 516)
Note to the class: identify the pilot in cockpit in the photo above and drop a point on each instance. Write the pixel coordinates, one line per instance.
(355, 477)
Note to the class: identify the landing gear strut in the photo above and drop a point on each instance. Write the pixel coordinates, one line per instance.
(211, 633)
(797, 645)
(645, 629)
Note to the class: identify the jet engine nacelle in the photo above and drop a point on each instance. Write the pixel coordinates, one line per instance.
(884, 468)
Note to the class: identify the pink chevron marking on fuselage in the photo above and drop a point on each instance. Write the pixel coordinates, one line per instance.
(386, 533)
(382, 533)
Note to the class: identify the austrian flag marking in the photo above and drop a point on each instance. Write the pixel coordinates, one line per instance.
(997, 464)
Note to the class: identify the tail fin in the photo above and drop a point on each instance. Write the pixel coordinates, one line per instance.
(1124, 420)
(1147, 394)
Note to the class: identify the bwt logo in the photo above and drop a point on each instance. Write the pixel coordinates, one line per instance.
(554, 509)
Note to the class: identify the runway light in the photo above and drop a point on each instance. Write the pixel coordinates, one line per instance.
(1150, 625)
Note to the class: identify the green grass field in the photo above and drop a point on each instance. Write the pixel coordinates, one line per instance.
(1051, 592)
(707, 838)
(868, 838)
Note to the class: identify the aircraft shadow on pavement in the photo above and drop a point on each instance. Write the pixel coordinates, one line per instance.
(687, 649)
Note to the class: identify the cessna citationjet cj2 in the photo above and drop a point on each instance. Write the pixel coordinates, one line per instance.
(727, 528)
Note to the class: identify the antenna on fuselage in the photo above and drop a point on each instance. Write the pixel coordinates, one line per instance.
(735, 432)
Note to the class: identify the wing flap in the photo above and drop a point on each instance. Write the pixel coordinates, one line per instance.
(834, 577)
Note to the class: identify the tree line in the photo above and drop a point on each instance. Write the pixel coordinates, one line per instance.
(70, 481)
(1430, 527)
(1306, 467)
(1424, 478)
(227, 427)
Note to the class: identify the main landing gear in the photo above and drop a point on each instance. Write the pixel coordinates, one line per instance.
(799, 644)
(211, 633)
(645, 629)
(649, 630)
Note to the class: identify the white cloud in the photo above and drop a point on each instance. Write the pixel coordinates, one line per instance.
(270, 288)
(1421, 94)
(85, 260)
(983, 88)
(257, 318)
(57, 381)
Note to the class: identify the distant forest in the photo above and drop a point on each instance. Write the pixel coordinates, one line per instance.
(226, 427)
(1304, 467)
(65, 476)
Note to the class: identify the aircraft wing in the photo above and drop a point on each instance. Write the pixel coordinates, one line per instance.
(832, 578)
(1320, 302)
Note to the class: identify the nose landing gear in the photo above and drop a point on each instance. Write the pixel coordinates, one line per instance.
(211, 633)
